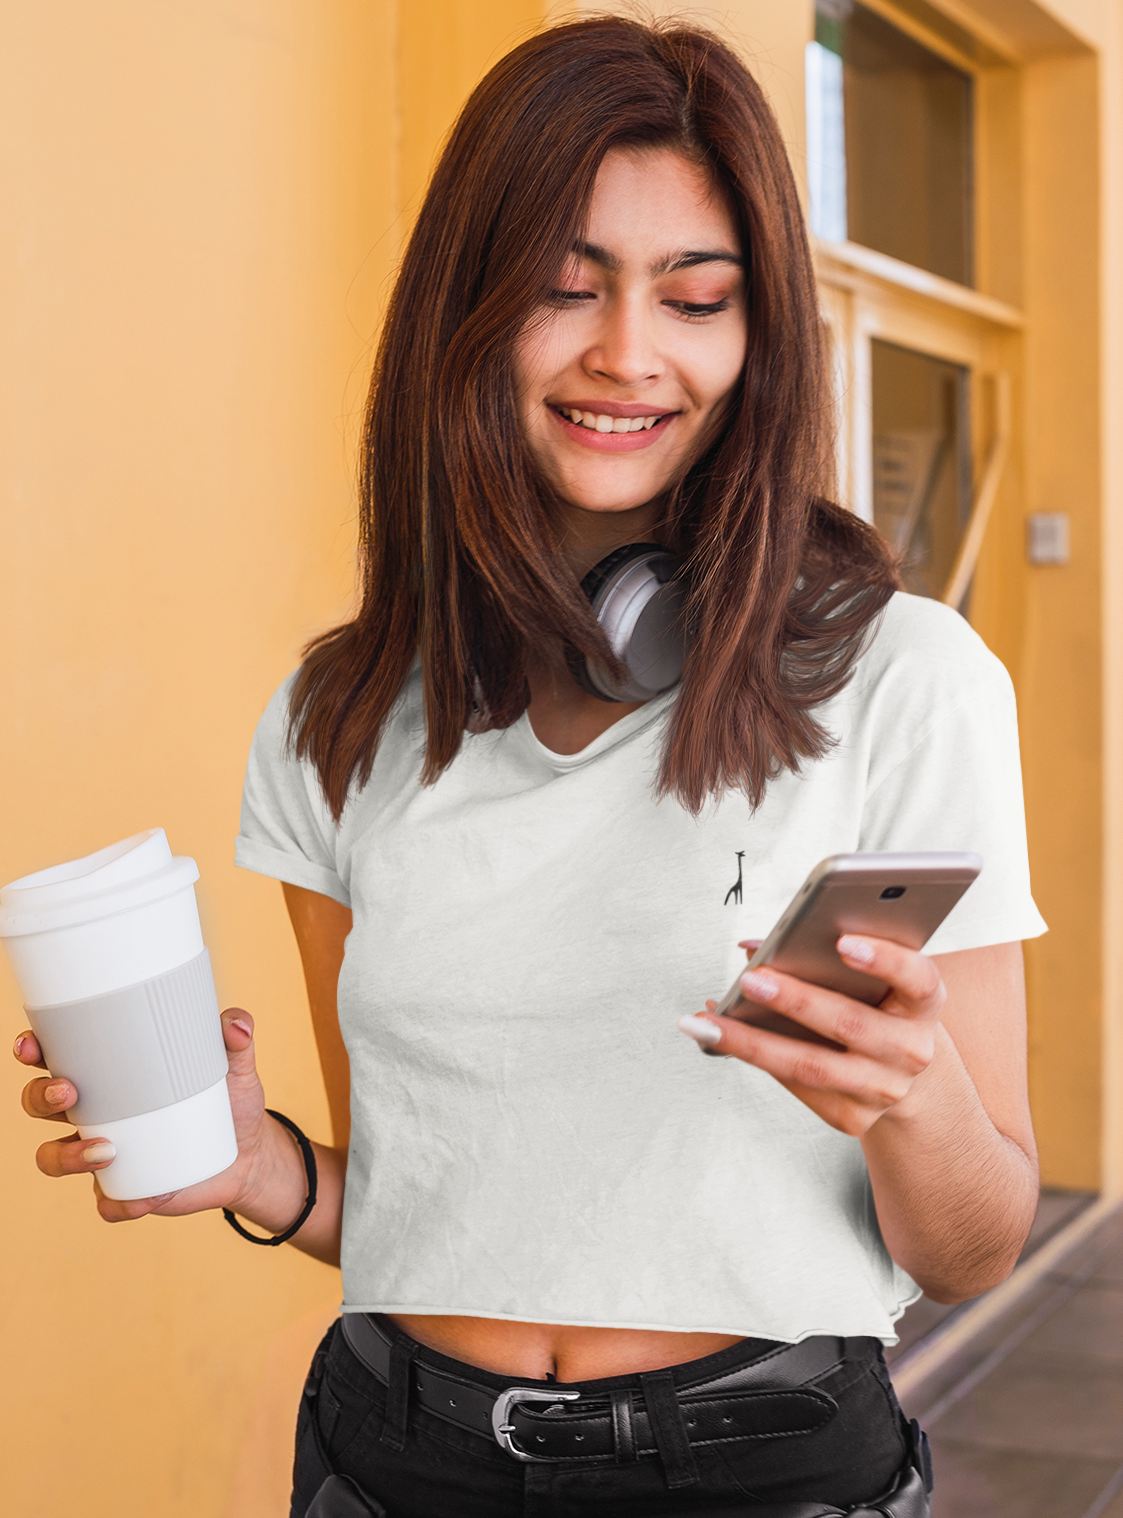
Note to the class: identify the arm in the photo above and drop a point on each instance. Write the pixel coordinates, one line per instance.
(933, 1082)
(954, 1163)
(266, 1185)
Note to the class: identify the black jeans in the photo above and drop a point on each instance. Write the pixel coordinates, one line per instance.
(446, 1472)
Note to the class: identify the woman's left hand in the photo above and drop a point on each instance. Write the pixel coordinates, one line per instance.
(932, 1082)
(883, 1050)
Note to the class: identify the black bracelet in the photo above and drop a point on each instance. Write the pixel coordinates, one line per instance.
(310, 1201)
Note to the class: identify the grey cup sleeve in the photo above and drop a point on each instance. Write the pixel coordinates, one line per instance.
(137, 1049)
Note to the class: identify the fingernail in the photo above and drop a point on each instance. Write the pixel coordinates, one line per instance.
(856, 949)
(701, 1029)
(236, 1022)
(758, 987)
(56, 1092)
(97, 1153)
(18, 1045)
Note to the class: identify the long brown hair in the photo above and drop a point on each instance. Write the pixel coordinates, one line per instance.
(459, 539)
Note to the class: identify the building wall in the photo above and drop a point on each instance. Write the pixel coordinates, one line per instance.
(1062, 654)
(202, 210)
(204, 205)
(1045, 622)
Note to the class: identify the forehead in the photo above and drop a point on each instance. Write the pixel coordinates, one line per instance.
(651, 203)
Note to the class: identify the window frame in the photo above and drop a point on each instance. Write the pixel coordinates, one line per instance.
(866, 294)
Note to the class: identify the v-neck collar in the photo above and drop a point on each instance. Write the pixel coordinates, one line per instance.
(627, 727)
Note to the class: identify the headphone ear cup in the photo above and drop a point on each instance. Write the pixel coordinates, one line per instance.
(639, 598)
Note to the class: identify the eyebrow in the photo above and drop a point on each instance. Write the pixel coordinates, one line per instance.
(669, 265)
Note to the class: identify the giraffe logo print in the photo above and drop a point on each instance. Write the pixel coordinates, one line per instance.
(734, 892)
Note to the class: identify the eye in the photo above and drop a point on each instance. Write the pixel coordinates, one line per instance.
(569, 297)
(697, 311)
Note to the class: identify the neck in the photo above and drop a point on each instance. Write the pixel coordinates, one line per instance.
(589, 536)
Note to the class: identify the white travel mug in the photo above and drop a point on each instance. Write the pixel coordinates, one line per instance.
(118, 989)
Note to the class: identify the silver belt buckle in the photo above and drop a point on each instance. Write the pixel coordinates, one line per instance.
(502, 1410)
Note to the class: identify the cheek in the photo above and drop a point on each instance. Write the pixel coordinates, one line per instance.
(538, 357)
(716, 368)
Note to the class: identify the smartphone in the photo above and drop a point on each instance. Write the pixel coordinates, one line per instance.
(902, 897)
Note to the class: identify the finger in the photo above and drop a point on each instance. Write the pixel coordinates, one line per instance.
(111, 1210)
(26, 1049)
(237, 1035)
(916, 985)
(49, 1098)
(750, 945)
(74, 1156)
(697, 1026)
(811, 1067)
(876, 1034)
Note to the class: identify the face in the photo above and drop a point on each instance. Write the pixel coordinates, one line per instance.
(623, 379)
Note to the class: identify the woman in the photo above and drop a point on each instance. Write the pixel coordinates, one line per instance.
(560, 1227)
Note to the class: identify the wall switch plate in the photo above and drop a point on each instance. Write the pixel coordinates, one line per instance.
(1047, 537)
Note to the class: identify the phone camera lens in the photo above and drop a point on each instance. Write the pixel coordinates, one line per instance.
(892, 893)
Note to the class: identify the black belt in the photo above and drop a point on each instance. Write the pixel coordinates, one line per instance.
(765, 1399)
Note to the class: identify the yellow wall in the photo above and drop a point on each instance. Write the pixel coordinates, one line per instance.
(200, 217)
(1061, 661)
(203, 205)
(1045, 622)
(1054, 246)
(1111, 577)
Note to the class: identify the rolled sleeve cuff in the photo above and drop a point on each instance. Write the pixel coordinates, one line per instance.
(982, 933)
(250, 854)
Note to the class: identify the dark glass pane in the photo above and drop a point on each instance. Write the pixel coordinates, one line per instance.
(921, 461)
(907, 152)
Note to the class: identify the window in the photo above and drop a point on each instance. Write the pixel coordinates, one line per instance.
(924, 363)
(890, 150)
(921, 461)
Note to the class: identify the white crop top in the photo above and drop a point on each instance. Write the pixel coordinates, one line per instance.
(532, 1136)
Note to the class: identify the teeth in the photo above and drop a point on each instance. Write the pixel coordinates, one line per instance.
(596, 422)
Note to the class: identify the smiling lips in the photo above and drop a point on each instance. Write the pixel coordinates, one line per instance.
(612, 433)
(598, 422)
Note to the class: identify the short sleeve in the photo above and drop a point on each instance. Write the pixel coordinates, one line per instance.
(959, 787)
(287, 830)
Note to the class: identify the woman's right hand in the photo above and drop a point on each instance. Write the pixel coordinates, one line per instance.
(256, 1133)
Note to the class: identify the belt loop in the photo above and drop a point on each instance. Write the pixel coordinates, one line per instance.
(402, 1352)
(623, 1429)
(668, 1428)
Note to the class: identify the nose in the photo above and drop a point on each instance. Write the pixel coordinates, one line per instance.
(623, 349)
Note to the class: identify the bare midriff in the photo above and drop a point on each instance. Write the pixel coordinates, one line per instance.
(536, 1351)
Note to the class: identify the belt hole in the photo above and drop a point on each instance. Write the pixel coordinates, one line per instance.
(724, 1420)
(691, 1423)
(579, 1437)
(541, 1438)
(451, 1403)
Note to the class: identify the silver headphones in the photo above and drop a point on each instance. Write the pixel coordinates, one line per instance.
(639, 599)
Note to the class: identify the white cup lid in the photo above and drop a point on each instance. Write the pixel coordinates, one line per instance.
(129, 874)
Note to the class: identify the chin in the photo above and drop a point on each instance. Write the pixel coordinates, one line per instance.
(607, 500)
